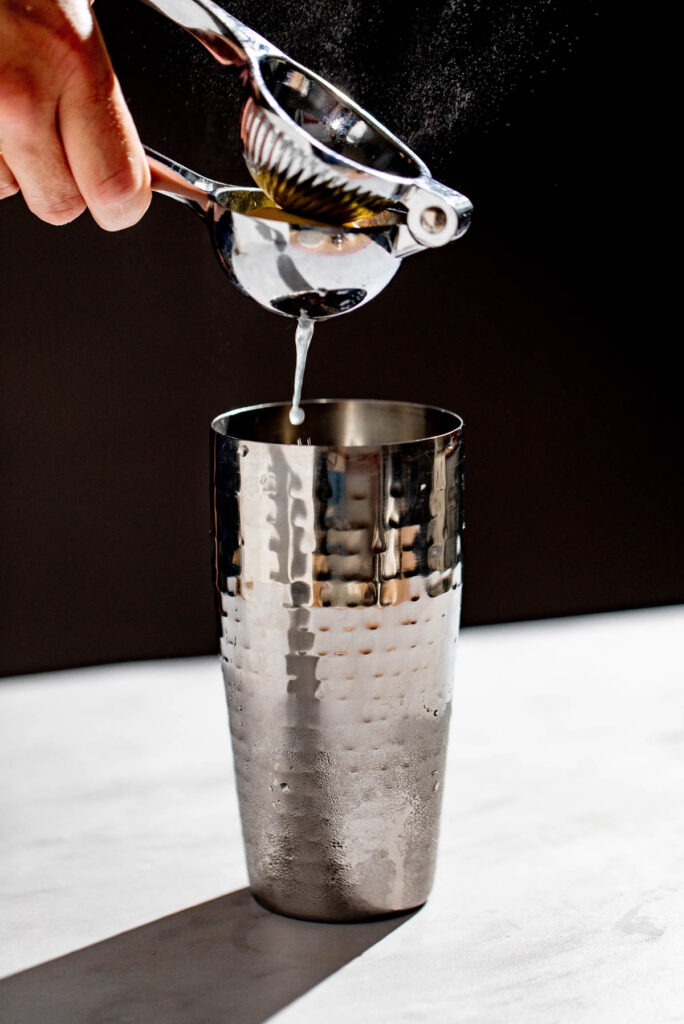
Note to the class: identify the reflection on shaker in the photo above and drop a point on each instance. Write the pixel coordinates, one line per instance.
(340, 616)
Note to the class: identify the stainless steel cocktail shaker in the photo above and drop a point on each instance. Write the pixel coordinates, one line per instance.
(338, 567)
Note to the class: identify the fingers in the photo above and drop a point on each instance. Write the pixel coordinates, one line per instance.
(33, 150)
(67, 138)
(8, 183)
(32, 48)
(101, 143)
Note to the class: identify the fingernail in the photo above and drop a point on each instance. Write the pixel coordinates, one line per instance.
(118, 216)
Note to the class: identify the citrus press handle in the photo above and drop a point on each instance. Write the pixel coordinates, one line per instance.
(177, 182)
(226, 38)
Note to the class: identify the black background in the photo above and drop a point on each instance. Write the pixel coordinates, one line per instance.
(541, 327)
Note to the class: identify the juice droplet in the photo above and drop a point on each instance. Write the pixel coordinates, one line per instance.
(303, 337)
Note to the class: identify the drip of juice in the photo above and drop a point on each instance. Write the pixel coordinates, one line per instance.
(303, 338)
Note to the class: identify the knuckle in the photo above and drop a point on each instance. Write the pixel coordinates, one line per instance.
(57, 210)
(88, 78)
(20, 97)
(47, 23)
(118, 187)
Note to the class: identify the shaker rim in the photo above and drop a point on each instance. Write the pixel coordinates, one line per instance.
(455, 431)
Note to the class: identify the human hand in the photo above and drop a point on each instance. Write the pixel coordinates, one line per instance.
(67, 138)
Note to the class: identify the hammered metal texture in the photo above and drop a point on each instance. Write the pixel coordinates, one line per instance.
(339, 572)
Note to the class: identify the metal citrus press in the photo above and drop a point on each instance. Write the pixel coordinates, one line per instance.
(340, 200)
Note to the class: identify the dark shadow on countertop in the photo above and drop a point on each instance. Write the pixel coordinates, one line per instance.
(227, 961)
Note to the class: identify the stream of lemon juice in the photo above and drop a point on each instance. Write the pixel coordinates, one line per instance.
(303, 336)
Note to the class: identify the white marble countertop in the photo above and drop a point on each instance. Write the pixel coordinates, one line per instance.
(559, 895)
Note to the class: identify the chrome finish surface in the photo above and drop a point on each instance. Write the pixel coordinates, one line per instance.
(309, 146)
(338, 568)
(289, 265)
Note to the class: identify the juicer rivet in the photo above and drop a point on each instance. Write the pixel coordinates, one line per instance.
(433, 220)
